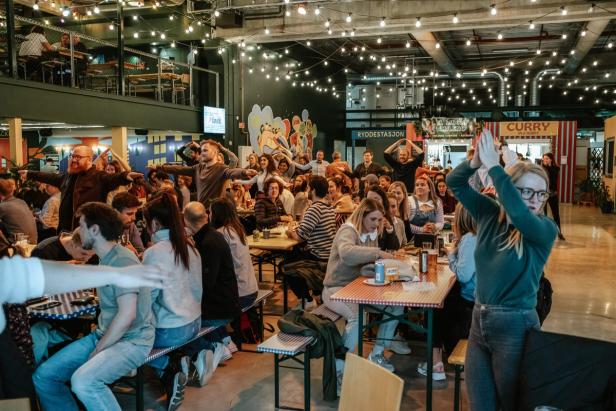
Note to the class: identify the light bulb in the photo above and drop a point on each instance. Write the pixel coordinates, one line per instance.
(266, 30)
(379, 40)
(499, 36)
(564, 36)
(135, 35)
(66, 12)
(216, 13)
(163, 36)
(531, 25)
(317, 11)
(89, 12)
(328, 22)
(418, 22)
(349, 18)
(408, 44)
(35, 6)
(382, 23)
(111, 26)
(353, 33)
(329, 31)
(308, 43)
(455, 19)
(287, 13)
(96, 10)
(583, 33)
(468, 42)
(301, 9)
(153, 33)
(493, 9)
(563, 10)
(135, 17)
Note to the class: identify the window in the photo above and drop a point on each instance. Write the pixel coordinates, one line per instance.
(609, 157)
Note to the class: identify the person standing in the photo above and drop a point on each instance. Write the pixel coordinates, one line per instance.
(405, 165)
(83, 183)
(514, 241)
(15, 216)
(317, 166)
(366, 167)
(209, 175)
(550, 167)
(123, 338)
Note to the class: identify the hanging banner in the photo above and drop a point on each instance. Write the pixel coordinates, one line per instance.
(449, 126)
(528, 128)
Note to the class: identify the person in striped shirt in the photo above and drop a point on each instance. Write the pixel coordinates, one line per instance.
(317, 229)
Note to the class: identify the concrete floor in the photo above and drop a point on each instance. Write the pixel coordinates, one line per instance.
(581, 270)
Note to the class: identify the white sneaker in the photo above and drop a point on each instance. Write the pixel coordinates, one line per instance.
(382, 361)
(438, 371)
(226, 354)
(196, 372)
(399, 345)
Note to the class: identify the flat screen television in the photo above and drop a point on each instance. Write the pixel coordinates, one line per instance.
(213, 120)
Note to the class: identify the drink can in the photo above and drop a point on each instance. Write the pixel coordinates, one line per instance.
(379, 272)
(423, 262)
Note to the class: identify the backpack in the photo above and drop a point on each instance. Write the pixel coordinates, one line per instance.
(544, 298)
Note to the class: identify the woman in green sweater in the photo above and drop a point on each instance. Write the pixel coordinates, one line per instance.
(514, 240)
(355, 245)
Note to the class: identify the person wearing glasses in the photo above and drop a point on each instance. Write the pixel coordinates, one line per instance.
(514, 241)
(81, 184)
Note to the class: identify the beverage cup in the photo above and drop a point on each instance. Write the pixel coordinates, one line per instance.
(266, 233)
(432, 266)
(426, 245)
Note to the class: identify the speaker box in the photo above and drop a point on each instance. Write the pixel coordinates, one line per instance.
(230, 20)
(141, 131)
(45, 132)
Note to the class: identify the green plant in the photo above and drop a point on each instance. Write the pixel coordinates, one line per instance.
(602, 195)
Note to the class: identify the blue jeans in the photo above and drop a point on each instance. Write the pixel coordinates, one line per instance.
(207, 342)
(88, 377)
(494, 353)
(168, 337)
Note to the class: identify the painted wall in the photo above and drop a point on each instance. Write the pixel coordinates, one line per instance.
(5, 152)
(287, 101)
(563, 146)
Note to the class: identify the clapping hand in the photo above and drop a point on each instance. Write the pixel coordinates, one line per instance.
(250, 172)
(488, 151)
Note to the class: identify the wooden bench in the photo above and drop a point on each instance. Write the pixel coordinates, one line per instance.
(157, 353)
(259, 304)
(289, 347)
(457, 359)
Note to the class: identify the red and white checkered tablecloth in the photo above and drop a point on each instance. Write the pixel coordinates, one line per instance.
(65, 311)
(394, 294)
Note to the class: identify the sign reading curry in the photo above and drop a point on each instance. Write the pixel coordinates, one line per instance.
(529, 128)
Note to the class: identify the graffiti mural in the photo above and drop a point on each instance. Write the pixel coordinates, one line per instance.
(269, 134)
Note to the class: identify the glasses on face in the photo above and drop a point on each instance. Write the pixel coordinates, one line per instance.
(76, 157)
(528, 193)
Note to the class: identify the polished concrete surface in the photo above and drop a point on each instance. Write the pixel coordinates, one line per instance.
(583, 276)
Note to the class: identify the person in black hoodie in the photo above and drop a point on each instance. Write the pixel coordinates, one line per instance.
(550, 167)
(220, 301)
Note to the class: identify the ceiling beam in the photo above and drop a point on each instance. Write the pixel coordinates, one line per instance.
(428, 42)
(585, 44)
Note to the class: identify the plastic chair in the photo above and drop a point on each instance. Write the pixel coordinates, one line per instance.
(367, 386)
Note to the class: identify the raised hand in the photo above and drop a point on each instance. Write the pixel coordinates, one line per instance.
(488, 152)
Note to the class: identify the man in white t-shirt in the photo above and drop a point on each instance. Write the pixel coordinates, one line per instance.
(35, 43)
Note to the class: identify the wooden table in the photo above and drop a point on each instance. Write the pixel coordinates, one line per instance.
(418, 296)
(277, 244)
(154, 76)
(65, 311)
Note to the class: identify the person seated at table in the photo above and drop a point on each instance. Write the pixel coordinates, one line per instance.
(317, 230)
(384, 182)
(269, 210)
(220, 300)
(285, 168)
(300, 192)
(177, 309)
(15, 216)
(49, 216)
(338, 196)
(241, 196)
(448, 200)
(398, 224)
(339, 168)
(453, 322)
(388, 240)
(123, 338)
(398, 189)
(32, 48)
(426, 209)
(64, 247)
(355, 245)
(127, 206)
(64, 43)
(80, 61)
(225, 220)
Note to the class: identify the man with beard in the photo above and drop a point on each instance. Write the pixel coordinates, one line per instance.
(82, 183)
(125, 332)
(127, 206)
(209, 174)
(405, 166)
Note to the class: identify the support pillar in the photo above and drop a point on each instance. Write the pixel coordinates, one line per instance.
(10, 37)
(16, 145)
(119, 142)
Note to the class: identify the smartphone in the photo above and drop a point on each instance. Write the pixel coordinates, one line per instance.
(47, 305)
(83, 301)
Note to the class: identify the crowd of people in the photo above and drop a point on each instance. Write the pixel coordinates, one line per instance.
(184, 218)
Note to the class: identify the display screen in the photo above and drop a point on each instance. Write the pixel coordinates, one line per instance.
(213, 120)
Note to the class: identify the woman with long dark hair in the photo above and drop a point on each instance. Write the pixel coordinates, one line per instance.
(268, 170)
(177, 309)
(514, 241)
(224, 219)
(552, 169)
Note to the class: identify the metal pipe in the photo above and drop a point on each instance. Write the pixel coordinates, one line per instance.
(534, 89)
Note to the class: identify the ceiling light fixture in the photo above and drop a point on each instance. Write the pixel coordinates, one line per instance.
(493, 9)
(499, 35)
(437, 45)
(328, 22)
(468, 42)
(382, 23)
(455, 19)
(531, 25)
(349, 18)
(301, 9)
(563, 10)
(266, 30)
(317, 11)
(418, 22)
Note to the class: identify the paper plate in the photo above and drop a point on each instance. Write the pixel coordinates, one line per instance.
(370, 281)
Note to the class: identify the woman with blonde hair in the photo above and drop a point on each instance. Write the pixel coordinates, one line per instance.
(355, 245)
(398, 189)
(514, 241)
(426, 209)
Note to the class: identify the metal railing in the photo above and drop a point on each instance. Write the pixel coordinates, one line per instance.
(78, 60)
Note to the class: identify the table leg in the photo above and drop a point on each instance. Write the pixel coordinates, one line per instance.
(430, 312)
(307, 379)
(276, 382)
(360, 330)
(285, 297)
